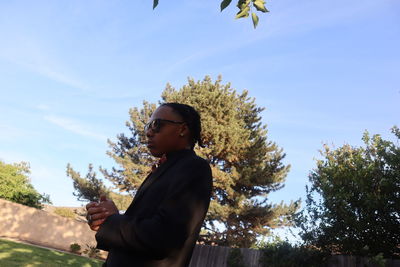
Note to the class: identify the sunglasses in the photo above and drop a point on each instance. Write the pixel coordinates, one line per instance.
(156, 125)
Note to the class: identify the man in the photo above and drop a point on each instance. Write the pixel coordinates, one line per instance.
(162, 224)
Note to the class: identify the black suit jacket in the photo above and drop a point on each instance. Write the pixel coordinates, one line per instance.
(162, 224)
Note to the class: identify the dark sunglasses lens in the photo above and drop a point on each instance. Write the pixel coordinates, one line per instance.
(154, 125)
(148, 126)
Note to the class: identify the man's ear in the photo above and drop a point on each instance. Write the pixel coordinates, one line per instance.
(184, 131)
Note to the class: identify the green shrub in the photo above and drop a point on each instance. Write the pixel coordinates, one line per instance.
(235, 258)
(75, 248)
(378, 260)
(65, 212)
(284, 254)
(92, 252)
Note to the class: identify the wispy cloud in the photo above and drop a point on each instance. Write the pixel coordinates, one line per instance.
(75, 127)
(42, 107)
(8, 132)
(300, 17)
(294, 18)
(44, 173)
(34, 55)
(193, 57)
(29, 52)
(10, 156)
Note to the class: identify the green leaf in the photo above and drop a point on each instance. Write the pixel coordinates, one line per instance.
(243, 13)
(260, 5)
(255, 19)
(242, 4)
(155, 3)
(225, 3)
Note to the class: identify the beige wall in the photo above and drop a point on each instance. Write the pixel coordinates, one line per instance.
(42, 228)
(50, 230)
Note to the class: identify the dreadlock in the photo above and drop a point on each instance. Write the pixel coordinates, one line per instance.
(192, 119)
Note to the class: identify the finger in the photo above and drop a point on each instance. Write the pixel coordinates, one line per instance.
(103, 198)
(99, 216)
(95, 210)
(95, 228)
(97, 222)
(91, 204)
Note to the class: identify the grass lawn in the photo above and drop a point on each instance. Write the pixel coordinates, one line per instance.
(14, 254)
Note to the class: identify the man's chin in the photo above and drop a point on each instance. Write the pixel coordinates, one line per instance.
(155, 153)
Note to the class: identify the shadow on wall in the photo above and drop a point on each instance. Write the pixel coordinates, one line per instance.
(42, 228)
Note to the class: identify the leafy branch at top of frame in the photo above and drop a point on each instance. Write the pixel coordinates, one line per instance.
(246, 7)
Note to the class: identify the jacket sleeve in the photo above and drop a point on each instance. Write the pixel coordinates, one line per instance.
(176, 218)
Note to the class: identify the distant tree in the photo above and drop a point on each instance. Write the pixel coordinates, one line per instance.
(246, 165)
(353, 205)
(245, 8)
(90, 188)
(15, 185)
(122, 201)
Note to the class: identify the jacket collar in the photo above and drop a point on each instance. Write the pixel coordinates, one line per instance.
(179, 153)
(172, 157)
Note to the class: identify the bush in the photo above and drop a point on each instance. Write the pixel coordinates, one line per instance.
(75, 248)
(235, 258)
(283, 254)
(65, 212)
(15, 185)
(354, 200)
(92, 252)
(378, 260)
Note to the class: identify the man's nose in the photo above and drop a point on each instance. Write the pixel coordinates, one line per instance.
(149, 132)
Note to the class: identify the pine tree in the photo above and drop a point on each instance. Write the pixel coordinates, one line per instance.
(90, 188)
(246, 165)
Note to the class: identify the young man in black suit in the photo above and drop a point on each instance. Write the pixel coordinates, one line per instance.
(162, 224)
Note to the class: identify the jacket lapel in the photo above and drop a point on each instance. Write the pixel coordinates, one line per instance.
(150, 179)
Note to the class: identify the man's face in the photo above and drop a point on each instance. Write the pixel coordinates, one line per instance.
(164, 136)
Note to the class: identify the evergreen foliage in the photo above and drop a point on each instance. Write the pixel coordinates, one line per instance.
(90, 188)
(246, 165)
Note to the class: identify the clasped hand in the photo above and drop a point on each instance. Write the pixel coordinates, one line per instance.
(97, 213)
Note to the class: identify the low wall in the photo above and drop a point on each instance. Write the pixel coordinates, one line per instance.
(42, 228)
(53, 231)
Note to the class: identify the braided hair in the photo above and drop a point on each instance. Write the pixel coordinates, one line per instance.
(192, 119)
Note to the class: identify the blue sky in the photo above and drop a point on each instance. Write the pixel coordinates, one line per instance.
(70, 71)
